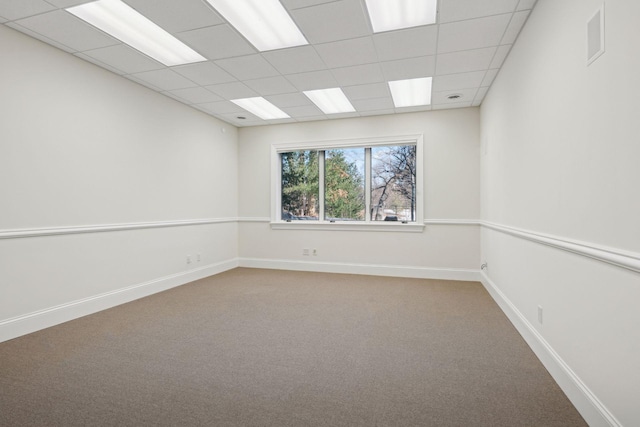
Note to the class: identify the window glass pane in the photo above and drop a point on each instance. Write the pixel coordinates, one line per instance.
(344, 184)
(393, 183)
(300, 185)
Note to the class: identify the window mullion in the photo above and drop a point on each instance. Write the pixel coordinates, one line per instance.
(367, 184)
(321, 186)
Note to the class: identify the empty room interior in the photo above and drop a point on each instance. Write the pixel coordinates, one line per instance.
(362, 216)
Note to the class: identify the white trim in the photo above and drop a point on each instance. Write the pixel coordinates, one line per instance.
(451, 222)
(364, 269)
(617, 257)
(254, 219)
(426, 221)
(78, 229)
(347, 143)
(589, 406)
(31, 322)
(394, 226)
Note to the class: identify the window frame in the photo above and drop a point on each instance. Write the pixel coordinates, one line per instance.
(367, 225)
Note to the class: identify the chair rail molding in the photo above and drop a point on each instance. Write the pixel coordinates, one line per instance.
(618, 257)
(101, 228)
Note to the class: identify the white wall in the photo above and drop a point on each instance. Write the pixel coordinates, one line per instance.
(451, 187)
(81, 146)
(561, 161)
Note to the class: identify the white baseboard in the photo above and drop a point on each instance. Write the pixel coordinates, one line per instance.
(589, 406)
(28, 323)
(365, 269)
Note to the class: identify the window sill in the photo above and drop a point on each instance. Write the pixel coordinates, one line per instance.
(398, 227)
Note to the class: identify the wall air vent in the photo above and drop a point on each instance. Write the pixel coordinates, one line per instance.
(595, 36)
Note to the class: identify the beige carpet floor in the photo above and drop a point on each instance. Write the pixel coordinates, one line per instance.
(277, 348)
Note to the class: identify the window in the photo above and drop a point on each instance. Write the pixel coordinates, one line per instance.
(373, 182)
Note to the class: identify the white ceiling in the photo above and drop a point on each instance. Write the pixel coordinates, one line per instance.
(463, 52)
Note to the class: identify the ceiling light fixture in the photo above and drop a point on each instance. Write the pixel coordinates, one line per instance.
(261, 108)
(412, 92)
(127, 25)
(330, 101)
(388, 15)
(265, 23)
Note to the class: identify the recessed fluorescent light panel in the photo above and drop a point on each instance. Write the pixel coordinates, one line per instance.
(265, 23)
(412, 92)
(127, 25)
(261, 108)
(330, 101)
(387, 15)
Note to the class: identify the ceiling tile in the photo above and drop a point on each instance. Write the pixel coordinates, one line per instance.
(312, 119)
(235, 90)
(299, 4)
(373, 104)
(327, 22)
(313, 80)
(501, 55)
(271, 85)
(466, 60)
(409, 43)
(100, 64)
(124, 58)
(342, 115)
(377, 112)
(413, 109)
(220, 41)
(289, 100)
(526, 4)
(133, 77)
(438, 98)
(248, 67)
(222, 107)
(472, 34)
(295, 60)
(178, 16)
(452, 105)
(489, 77)
(516, 24)
(16, 9)
(481, 94)
(302, 111)
(195, 95)
(248, 119)
(65, 28)
(424, 66)
(204, 73)
(348, 76)
(165, 79)
(66, 3)
(348, 52)
(458, 10)
(458, 81)
(375, 90)
(39, 37)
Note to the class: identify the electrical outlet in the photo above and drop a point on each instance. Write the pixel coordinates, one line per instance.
(188, 259)
(540, 314)
(305, 252)
(315, 252)
(198, 257)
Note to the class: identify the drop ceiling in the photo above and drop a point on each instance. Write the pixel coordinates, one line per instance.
(463, 53)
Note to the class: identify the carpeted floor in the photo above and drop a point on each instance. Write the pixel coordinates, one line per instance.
(277, 348)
